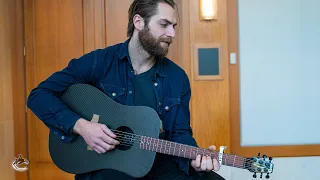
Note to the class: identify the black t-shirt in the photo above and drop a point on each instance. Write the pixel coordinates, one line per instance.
(144, 94)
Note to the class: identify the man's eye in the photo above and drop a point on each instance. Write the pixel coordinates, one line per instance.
(164, 25)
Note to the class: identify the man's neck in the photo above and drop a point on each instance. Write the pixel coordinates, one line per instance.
(140, 59)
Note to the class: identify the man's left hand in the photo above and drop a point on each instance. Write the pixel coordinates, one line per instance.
(205, 163)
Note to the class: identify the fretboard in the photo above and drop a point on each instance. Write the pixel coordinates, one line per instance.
(190, 152)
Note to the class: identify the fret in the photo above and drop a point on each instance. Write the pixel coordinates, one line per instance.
(234, 160)
(190, 153)
(185, 147)
(197, 152)
(174, 150)
(225, 160)
(170, 148)
(161, 145)
(141, 140)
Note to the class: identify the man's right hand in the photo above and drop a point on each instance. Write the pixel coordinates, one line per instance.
(98, 136)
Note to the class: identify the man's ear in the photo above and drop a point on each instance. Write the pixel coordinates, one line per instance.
(138, 22)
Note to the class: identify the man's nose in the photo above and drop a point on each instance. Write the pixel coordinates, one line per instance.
(171, 32)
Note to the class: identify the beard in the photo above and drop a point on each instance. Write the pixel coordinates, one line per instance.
(152, 45)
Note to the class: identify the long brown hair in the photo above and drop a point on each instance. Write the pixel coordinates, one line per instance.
(146, 9)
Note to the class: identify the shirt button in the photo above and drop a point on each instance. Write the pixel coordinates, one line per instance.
(114, 94)
(167, 108)
(130, 92)
(155, 84)
(62, 137)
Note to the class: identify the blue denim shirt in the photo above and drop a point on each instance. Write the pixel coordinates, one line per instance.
(110, 70)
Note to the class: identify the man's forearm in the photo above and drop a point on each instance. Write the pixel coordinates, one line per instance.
(51, 110)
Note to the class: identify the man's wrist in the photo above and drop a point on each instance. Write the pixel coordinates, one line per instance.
(77, 128)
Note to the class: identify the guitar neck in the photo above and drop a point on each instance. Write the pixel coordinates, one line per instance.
(190, 152)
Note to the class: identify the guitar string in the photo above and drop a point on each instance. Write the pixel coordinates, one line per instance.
(135, 138)
(235, 163)
(138, 139)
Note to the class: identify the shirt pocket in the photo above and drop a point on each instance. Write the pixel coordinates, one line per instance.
(169, 107)
(168, 103)
(114, 92)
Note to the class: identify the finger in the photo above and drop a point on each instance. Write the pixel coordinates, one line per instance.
(98, 149)
(203, 163)
(108, 131)
(216, 165)
(109, 139)
(105, 146)
(198, 161)
(212, 148)
(209, 164)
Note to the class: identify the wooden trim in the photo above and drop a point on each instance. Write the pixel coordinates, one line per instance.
(18, 87)
(196, 62)
(30, 59)
(93, 25)
(248, 151)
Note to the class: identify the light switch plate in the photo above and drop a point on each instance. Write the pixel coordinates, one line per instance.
(233, 59)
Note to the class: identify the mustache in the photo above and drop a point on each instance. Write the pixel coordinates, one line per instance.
(166, 40)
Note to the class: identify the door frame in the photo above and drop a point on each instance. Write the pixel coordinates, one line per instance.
(19, 89)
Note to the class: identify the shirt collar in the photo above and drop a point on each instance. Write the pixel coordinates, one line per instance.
(124, 54)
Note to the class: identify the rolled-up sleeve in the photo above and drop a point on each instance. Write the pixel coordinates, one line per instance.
(44, 100)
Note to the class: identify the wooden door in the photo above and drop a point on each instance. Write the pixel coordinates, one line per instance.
(54, 34)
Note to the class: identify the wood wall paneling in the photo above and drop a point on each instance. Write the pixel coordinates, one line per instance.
(12, 123)
(94, 24)
(116, 21)
(210, 99)
(54, 35)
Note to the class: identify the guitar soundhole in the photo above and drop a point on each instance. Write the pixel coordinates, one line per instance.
(126, 138)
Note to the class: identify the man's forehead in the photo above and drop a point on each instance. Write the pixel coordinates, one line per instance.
(166, 13)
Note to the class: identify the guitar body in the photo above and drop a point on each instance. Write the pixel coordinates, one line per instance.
(74, 157)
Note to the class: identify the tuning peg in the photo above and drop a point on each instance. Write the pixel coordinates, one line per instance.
(267, 176)
(258, 155)
(261, 175)
(264, 157)
(270, 159)
(254, 175)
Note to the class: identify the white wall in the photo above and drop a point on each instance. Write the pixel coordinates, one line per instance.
(279, 82)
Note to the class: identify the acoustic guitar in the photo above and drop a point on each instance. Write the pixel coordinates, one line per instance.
(137, 129)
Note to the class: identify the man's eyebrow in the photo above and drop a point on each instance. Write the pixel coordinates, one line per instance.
(167, 21)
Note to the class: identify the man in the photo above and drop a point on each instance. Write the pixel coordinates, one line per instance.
(135, 72)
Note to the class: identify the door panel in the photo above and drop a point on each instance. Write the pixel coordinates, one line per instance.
(54, 35)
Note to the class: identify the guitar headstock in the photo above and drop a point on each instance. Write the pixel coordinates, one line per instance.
(262, 165)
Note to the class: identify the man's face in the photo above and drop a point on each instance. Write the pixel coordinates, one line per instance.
(157, 36)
